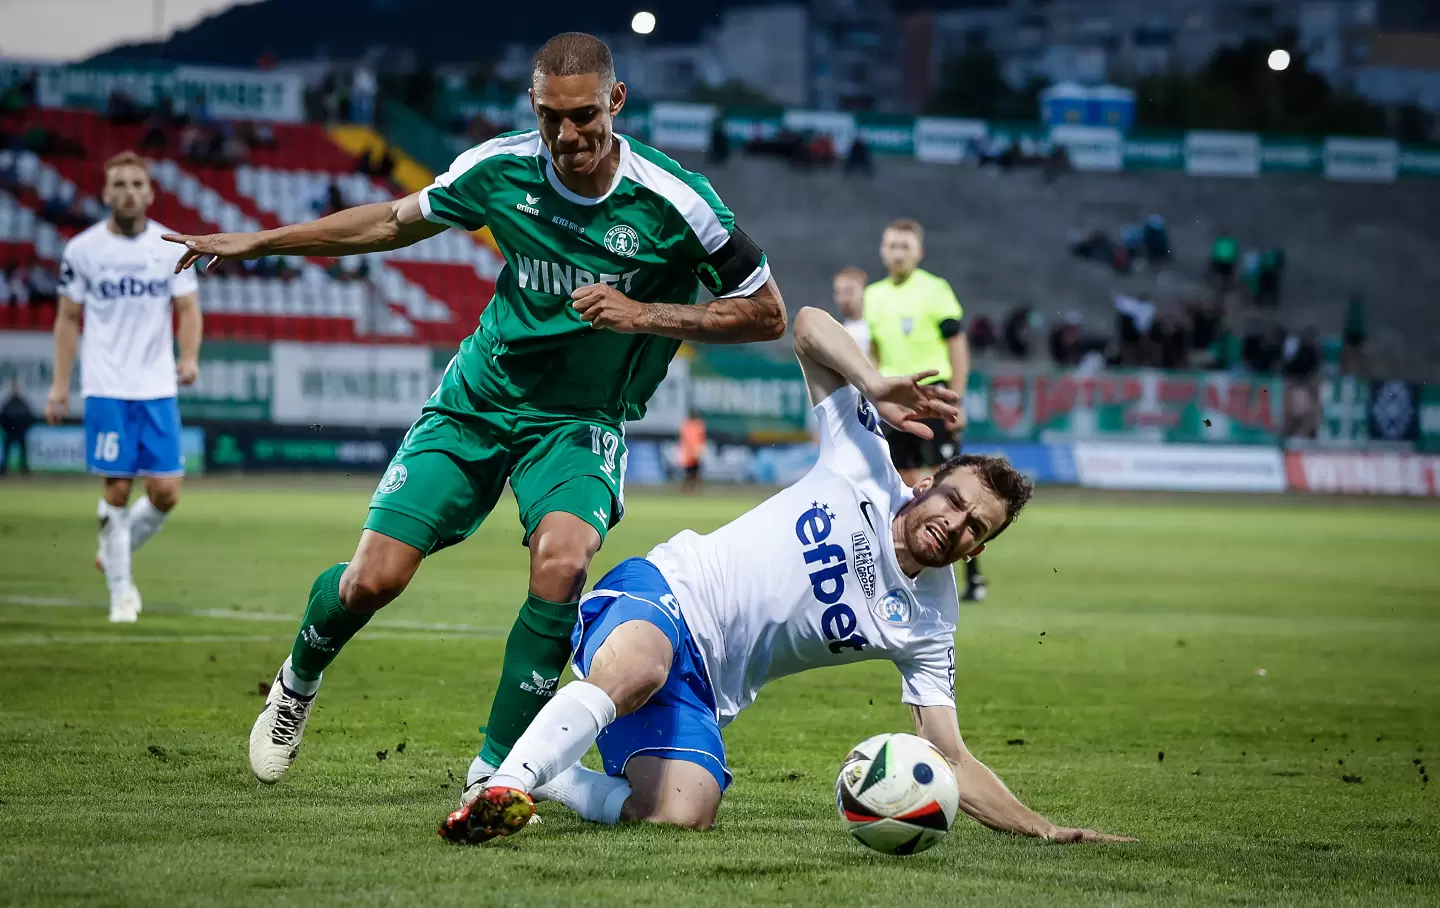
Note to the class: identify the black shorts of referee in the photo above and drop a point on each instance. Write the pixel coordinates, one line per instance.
(911, 452)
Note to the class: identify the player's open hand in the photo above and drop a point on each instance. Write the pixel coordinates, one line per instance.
(57, 404)
(602, 306)
(1068, 836)
(903, 402)
(187, 371)
(221, 246)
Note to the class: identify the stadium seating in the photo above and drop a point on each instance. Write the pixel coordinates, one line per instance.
(1000, 239)
(432, 292)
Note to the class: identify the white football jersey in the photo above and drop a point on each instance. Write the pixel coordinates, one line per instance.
(859, 330)
(127, 347)
(809, 578)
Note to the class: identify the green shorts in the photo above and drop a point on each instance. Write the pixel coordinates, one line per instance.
(452, 466)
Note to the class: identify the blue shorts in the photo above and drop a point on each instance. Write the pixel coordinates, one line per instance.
(125, 438)
(679, 721)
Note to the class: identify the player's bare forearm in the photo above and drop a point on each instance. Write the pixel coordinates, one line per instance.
(377, 227)
(728, 320)
(190, 325)
(983, 796)
(829, 356)
(67, 338)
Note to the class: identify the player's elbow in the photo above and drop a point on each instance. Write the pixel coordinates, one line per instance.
(769, 316)
(806, 322)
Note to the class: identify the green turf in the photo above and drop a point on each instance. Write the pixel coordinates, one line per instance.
(1118, 629)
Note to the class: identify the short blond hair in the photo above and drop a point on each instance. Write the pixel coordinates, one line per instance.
(127, 158)
(854, 272)
(908, 225)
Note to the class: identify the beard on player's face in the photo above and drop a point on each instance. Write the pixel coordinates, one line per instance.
(933, 535)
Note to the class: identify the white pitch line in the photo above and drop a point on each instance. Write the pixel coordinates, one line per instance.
(380, 624)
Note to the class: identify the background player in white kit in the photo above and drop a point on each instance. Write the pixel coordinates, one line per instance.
(848, 286)
(847, 564)
(119, 274)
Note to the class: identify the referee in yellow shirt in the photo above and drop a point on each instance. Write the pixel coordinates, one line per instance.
(915, 326)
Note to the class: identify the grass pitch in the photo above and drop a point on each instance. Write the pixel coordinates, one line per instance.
(1250, 687)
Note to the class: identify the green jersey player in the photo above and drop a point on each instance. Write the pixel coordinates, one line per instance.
(604, 239)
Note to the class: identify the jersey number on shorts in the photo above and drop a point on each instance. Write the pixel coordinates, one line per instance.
(605, 444)
(107, 446)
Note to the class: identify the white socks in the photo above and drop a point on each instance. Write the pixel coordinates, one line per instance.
(115, 546)
(594, 795)
(295, 684)
(145, 521)
(557, 738)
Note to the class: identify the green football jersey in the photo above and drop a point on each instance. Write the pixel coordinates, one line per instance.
(649, 236)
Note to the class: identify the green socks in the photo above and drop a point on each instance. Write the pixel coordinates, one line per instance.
(327, 626)
(536, 653)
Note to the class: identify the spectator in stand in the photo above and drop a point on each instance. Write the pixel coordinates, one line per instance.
(822, 149)
(122, 110)
(20, 285)
(5, 299)
(719, 149)
(363, 87)
(1262, 347)
(1205, 323)
(155, 138)
(1133, 318)
(983, 335)
(1065, 347)
(334, 198)
(1156, 241)
(691, 451)
(1019, 333)
(1300, 355)
(858, 160)
(16, 418)
(1170, 341)
(1269, 268)
(1224, 256)
(848, 288)
(44, 287)
(1353, 360)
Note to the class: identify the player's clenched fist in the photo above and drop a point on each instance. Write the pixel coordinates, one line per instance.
(220, 245)
(605, 307)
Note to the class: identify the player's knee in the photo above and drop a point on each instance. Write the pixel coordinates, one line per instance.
(164, 498)
(368, 587)
(557, 572)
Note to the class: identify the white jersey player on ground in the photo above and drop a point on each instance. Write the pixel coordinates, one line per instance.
(118, 275)
(845, 565)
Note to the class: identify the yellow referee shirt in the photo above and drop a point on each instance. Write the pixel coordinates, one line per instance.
(905, 322)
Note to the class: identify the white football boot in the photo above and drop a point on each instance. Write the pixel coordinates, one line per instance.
(129, 602)
(275, 737)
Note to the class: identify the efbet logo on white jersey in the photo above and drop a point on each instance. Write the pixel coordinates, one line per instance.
(132, 287)
(539, 684)
(827, 581)
(558, 280)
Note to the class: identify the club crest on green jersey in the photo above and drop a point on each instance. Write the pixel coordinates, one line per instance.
(622, 240)
(394, 478)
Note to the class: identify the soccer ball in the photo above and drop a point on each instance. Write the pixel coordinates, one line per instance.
(896, 794)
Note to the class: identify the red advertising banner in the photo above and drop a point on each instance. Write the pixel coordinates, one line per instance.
(1363, 474)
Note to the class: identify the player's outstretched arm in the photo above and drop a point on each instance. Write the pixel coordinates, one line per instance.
(377, 227)
(982, 795)
(831, 359)
(727, 320)
(67, 337)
